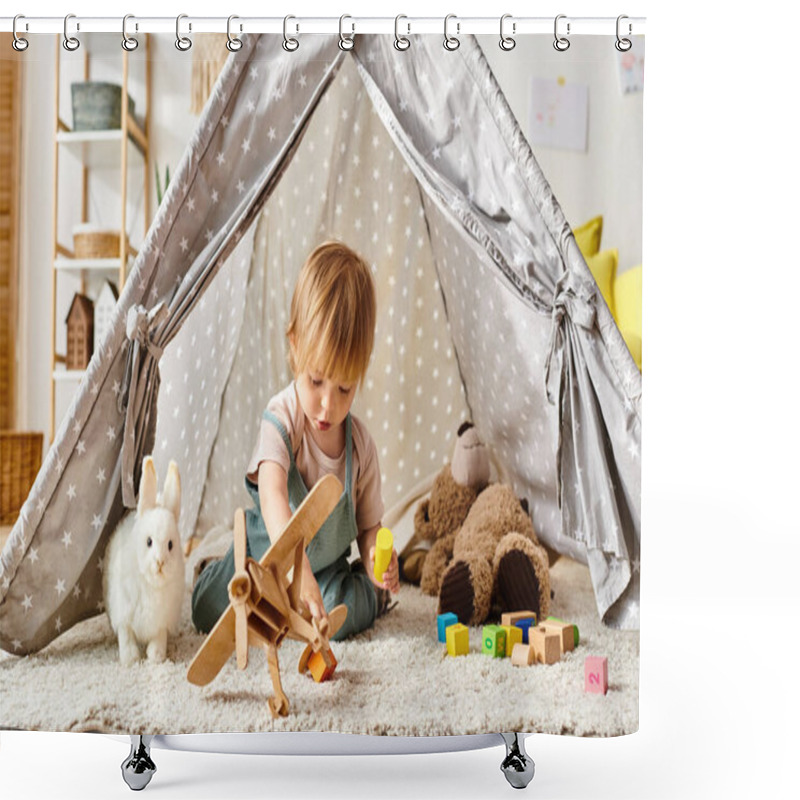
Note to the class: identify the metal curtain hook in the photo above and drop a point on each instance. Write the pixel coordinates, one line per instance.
(233, 44)
(128, 42)
(507, 42)
(623, 45)
(70, 42)
(451, 42)
(401, 42)
(346, 42)
(561, 43)
(18, 43)
(183, 43)
(290, 44)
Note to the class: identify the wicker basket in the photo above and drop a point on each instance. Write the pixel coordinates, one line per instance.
(20, 460)
(95, 243)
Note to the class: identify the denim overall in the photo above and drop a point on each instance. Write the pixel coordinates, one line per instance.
(327, 553)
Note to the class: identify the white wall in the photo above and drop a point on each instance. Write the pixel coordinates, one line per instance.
(171, 127)
(606, 179)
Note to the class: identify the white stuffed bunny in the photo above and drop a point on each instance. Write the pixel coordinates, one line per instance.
(143, 576)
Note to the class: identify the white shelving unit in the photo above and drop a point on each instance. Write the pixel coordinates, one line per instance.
(122, 149)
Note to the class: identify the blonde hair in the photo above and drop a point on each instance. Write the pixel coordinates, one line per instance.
(332, 322)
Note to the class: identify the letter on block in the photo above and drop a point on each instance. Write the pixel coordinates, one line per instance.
(443, 622)
(494, 641)
(322, 666)
(546, 645)
(457, 639)
(525, 625)
(596, 671)
(523, 655)
(513, 636)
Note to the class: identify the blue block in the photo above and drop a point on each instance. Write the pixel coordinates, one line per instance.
(525, 624)
(442, 622)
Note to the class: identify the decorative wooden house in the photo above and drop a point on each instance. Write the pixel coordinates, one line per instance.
(104, 312)
(80, 332)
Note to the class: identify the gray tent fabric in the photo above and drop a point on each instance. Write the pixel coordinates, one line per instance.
(495, 229)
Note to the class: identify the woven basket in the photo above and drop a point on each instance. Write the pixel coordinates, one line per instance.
(20, 460)
(96, 243)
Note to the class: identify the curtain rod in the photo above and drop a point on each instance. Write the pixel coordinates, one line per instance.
(514, 26)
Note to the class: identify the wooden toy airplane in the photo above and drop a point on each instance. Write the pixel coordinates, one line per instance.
(265, 605)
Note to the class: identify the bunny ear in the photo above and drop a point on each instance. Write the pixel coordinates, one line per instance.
(148, 486)
(171, 499)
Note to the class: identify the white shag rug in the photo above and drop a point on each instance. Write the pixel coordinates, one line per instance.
(394, 679)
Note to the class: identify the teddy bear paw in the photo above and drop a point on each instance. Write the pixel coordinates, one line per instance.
(517, 584)
(466, 591)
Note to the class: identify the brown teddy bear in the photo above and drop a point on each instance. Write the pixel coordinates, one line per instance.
(483, 549)
(438, 517)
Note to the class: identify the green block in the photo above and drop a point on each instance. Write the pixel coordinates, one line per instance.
(494, 641)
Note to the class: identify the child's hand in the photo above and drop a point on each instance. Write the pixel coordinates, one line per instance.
(312, 597)
(391, 578)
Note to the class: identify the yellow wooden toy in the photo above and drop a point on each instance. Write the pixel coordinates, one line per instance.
(513, 636)
(384, 542)
(457, 639)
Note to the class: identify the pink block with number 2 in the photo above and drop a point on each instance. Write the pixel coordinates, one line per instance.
(596, 671)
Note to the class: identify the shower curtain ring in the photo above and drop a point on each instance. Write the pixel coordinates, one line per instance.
(401, 42)
(290, 44)
(18, 43)
(129, 43)
(183, 43)
(623, 45)
(507, 42)
(561, 43)
(451, 42)
(234, 44)
(346, 42)
(70, 42)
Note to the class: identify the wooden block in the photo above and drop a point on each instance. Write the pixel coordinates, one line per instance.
(443, 622)
(513, 637)
(565, 631)
(523, 655)
(574, 627)
(596, 674)
(494, 641)
(322, 665)
(546, 645)
(513, 617)
(525, 625)
(457, 637)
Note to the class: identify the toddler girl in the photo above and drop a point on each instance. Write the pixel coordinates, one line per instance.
(306, 432)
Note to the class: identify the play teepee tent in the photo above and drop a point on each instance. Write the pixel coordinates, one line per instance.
(487, 310)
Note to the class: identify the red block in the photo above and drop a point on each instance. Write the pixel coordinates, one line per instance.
(596, 673)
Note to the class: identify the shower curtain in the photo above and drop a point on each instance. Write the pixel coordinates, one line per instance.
(495, 195)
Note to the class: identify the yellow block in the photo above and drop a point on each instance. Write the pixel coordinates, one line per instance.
(513, 636)
(384, 542)
(457, 639)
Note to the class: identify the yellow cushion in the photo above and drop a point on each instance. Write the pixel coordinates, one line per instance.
(588, 236)
(604, 268)
(628, 310)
